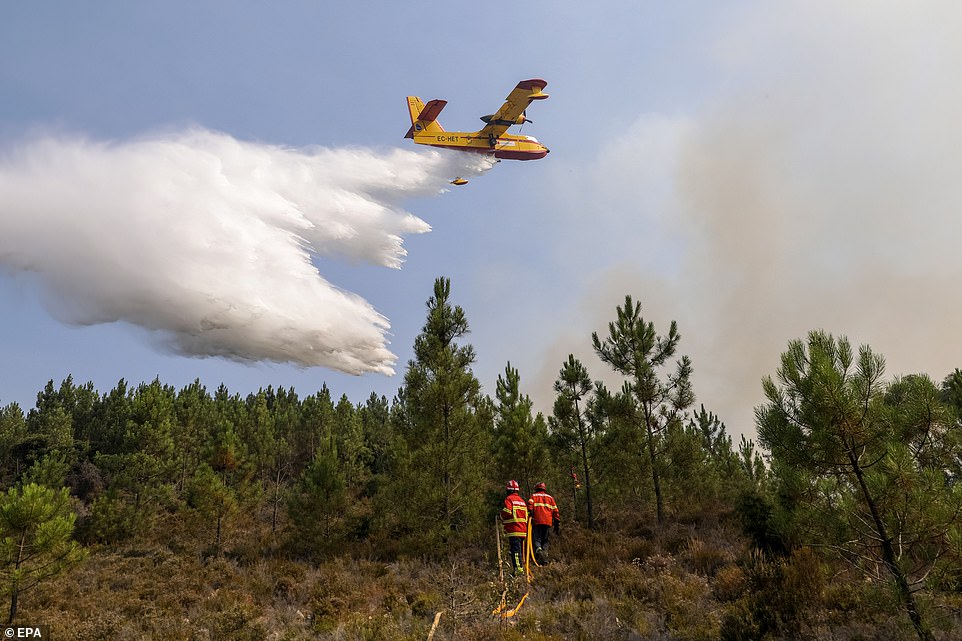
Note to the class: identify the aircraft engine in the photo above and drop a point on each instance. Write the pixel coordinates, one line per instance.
(519, 121)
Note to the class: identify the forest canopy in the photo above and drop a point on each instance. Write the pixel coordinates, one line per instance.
(857, 471)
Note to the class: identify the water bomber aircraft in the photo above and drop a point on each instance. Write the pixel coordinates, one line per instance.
(492, 139)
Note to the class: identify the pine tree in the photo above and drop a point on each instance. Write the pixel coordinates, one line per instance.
(36, 525)
(193, 411)
(570, 423)
(214, 500)
(354, 455)
(952, 391)
(286, 419)
(712, 474)
(13, 434)
(316, 429)
(224, 484)
(633, 349)
(860, 464)
(138, 461)
(443, 432)
(520, 439)
(378, 432)
(50, 436)
(317, 506)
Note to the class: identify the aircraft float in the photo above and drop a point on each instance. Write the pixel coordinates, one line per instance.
(492, 139)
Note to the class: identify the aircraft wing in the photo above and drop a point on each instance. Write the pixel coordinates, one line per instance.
(514, 106)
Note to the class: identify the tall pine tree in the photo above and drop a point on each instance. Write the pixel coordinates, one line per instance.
(861, 464)
(636, 351)
(570, 422)
(520, 439)
(446, 438)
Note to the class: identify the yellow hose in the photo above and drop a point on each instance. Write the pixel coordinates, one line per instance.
(529, 553)
(528, 557)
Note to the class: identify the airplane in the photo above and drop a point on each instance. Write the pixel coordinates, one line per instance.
(491, 139)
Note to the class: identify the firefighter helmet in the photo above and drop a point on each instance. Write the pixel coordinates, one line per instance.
(541, 486)
(512, 486)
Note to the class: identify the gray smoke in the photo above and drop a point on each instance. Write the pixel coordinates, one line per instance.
(819, 186)
(824, 192)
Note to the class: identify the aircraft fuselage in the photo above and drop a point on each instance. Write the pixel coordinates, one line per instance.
(507, 146)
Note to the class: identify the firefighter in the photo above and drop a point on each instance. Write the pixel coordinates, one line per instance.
(514, 516)
(544, 515)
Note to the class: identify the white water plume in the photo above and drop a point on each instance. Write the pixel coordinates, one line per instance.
(208, 241)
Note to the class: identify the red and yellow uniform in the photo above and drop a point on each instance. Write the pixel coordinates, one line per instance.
(514, 515)
(544, 510)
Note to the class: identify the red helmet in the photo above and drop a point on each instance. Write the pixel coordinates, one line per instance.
(541, 486)
(512, 486)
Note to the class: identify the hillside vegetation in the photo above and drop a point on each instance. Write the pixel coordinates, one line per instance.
(147, 512)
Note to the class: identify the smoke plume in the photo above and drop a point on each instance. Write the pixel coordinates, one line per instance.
(817, 185)
(208, 241)
(823, 191)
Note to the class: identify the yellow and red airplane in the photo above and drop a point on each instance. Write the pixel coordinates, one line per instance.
(492, 139)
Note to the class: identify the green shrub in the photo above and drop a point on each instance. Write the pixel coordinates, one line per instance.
(781, 594)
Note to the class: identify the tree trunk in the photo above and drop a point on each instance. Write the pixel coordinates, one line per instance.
(445, 413)
(15, 587)
(655, 477)
(584, 461)
(889, 558)
(274, 510)
(277, 499)
(584, 458)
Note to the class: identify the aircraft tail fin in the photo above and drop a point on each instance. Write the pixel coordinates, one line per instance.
(424, 117)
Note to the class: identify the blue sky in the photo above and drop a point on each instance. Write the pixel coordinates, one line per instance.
(750, 171)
